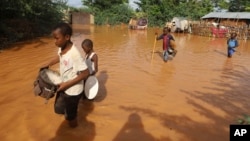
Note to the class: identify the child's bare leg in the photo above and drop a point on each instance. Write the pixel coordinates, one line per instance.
(174, 52)
(73, 123)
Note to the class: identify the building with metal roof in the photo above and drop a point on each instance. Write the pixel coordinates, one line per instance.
(228, 18)
(227, 15)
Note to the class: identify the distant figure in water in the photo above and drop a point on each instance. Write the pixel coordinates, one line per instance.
(232, 43)
(168, 42)
(73, 71)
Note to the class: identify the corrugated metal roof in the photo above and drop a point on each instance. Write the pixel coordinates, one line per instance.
(228, 15)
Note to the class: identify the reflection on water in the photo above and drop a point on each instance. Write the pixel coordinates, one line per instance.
(200, 90)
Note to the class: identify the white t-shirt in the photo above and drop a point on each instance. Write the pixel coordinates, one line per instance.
(90, 64)
(70, 64)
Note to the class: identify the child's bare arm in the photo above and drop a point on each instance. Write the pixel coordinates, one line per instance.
(95, 60)
(158, 37)
(237, 43)
(51, 62)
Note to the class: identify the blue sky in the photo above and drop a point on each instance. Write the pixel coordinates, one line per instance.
(75, 3)
(78, 3)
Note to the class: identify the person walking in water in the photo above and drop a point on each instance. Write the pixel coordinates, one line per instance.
(167, 39)
(91, 56)
(232, 43)
(73, 71)
(91, 60)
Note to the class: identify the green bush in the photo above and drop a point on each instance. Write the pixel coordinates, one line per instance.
(244, 120)
(115, 15)
(26, 19)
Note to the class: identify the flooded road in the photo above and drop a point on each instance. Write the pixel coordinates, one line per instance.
(194, 97)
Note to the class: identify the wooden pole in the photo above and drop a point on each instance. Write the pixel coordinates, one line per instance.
(155, 40)
(154, 44)
(237, 19)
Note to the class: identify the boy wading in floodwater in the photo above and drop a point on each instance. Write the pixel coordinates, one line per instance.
(167, 48)
(232, 43)
(91, 58)
(73, 71)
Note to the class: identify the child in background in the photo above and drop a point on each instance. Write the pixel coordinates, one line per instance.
(167, 39)
(91, 59)
(232, 43)
(91, 56)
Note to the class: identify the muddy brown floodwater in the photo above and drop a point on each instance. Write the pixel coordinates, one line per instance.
(194, 97)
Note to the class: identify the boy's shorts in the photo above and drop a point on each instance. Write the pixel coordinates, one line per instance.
(165, 55)
(67, 105)
(230, 51)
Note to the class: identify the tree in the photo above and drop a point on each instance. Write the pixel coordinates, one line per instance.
(160, 11)
(223, 4)
(109, 11)
(24, 19)
(239, 5)
(102, 4)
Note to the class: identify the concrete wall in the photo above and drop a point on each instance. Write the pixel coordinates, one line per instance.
(82, 18)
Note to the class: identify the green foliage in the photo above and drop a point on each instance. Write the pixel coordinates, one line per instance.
(139, 15)
(81, 9)
(102, 4)
(247, 9)
(114, 15)
(161, 11)
(244, 120)
(156, 11)
(24, 19)
(223, 4)
(239, 5)
(109, 12)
